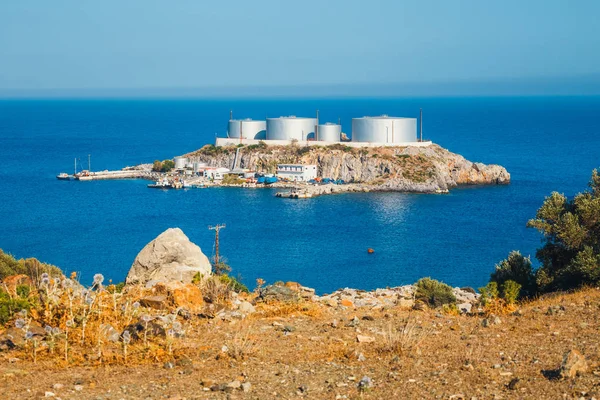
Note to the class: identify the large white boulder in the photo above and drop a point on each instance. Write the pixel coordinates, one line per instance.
(171, 257)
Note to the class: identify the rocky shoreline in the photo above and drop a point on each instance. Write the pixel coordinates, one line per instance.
(430, 169)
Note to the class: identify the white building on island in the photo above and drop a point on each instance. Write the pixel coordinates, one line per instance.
(296, 172)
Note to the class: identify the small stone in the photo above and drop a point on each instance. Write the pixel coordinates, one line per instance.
(246, 387)
(49, 394)
(354, 322)
(277, 324)
(368, 318)
(334, 323)
(365, 383)
(289, 328)
(78, 388)
(331, 303)
(158, 302)
(57, 386)
(512, 385)
(234, 385)
(361, 357)
(573, 363)
(168, 365)
(365, 339)
(465, 307)
(246, 308)
(347, 303)
(207, 383)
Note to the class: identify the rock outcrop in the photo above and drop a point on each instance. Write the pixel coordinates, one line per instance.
(171, 257)
(405, 169)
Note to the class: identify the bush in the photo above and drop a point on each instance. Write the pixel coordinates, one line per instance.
(500, 299)
(167, 165)
(31, 267)
(510, 291)
(434, 293)
(9, 305)
(234, 283)
(518, 269)
(231, 179)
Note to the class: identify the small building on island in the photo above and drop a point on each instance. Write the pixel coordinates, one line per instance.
(216, 174)
(296, 172)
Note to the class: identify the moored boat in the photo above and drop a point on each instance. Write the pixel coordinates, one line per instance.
(63, 176)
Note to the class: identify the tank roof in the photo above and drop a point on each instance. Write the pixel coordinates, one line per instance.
(291, 117)
(384, 116)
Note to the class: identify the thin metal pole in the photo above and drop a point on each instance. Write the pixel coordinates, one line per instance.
(421, 124)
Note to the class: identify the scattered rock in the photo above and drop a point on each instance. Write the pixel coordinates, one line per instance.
(347, 303)
(365, 339)
(491, 320)
(573, 363)
(512, 385)
(246, 387)
(109, 332)
(365, 383)
(556, 310)
(278, 293)
(150, 328)
(171, 257)
(158, 302)
(234, 385)
(465, 307)
(354, 322)
(246, 307)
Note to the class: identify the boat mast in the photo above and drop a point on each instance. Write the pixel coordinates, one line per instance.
(75, 172)
(89, 162)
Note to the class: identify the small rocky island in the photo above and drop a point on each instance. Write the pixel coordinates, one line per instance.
(426, 169)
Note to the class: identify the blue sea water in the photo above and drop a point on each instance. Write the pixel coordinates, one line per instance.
(546, 144)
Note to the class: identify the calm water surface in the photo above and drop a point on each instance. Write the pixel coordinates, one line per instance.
(546, 144)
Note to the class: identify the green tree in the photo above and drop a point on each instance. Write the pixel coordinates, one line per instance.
(518, 269)
(157, 166)
(570, 257)
(167, 165)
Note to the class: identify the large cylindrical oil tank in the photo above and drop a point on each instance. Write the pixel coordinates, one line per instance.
(329, 132)
(180, 162)
(289, 128)
(384, 129)
(247, 128)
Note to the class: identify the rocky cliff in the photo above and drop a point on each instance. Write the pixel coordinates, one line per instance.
(409, 169)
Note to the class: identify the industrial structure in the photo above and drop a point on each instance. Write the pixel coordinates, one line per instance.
(384, 129)
(290, 128)
(369, 131)
(247, 129)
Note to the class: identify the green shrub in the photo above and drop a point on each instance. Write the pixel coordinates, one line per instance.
(489, 293)
(9, 306)
(31, 267)
(234, 283)
(232, 179)
(518, 269)
(434, 293)
(510, 291)
(167, 165)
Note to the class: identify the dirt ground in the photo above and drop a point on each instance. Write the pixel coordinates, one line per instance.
(322, 352)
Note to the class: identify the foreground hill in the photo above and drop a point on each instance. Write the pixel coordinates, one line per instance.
(316, 350)
(405, 169)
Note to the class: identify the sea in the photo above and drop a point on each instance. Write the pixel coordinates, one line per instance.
(546, 143)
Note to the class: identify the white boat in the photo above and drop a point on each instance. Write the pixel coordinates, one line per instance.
(164, 184)
(63, 176)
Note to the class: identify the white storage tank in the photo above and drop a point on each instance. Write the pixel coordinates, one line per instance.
(329, 132)
(180, 162)
(247, 128)
(289, 128)
(384, 129)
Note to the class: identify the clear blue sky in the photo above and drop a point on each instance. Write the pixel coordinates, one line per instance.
(185, 44)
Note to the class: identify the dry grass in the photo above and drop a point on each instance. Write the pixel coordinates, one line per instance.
(406, 337)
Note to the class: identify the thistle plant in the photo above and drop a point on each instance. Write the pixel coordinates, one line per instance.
(69, 324)
(51, 335)
(126, 339)
(175, 331)
(146, 319)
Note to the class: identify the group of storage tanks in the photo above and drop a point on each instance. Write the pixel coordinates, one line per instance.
(381, 129)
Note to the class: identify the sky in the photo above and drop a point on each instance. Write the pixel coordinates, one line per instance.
(190, 47)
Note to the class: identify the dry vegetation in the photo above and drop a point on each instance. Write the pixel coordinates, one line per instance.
(302, 348)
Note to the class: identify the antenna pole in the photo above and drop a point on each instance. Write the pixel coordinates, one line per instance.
(217, 228)
(230, 114)
(317, 128)
(421, 124)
